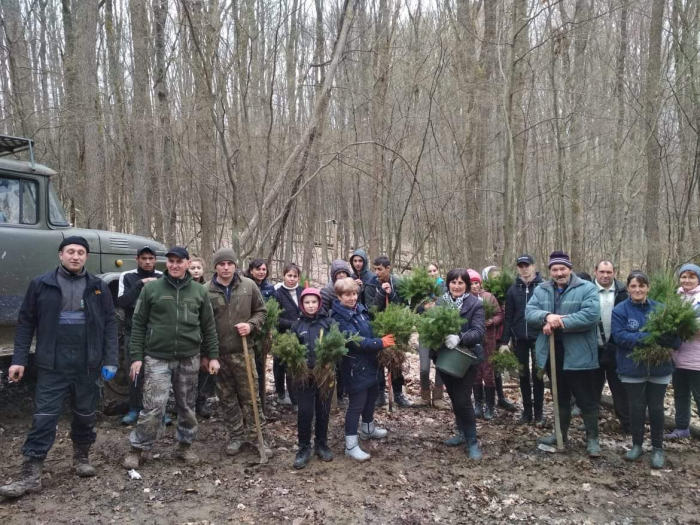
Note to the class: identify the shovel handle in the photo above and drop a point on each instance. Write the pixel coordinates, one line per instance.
(253, 397)
(555, 398)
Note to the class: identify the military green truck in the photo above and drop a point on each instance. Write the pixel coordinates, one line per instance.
(32, 225)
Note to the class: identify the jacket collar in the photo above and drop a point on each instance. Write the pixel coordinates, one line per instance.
(177, 283)
(51, 278)
(214, 285)
(537, 279)
(574, 282)
(469, 302)
(347, 313)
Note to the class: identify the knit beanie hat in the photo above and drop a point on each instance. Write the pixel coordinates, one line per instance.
(558, 257)
(224, 254)
(473, 276)
(690, 267)
(74, 239)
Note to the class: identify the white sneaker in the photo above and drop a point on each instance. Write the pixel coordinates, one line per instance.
(284, 400)
(370, 431)
(353, 450)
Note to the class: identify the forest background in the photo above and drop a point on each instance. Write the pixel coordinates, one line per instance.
(461, 131)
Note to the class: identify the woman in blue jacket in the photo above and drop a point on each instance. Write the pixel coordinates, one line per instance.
(645, 384)
(360, 368)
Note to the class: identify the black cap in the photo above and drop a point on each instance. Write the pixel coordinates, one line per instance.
(74, 239)
(178, 251)
(524, 259)
(145, 249)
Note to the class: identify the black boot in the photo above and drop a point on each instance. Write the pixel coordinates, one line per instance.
(303, 457)
(323, 452)
(29, 480)
(503, 401)
(381, 399)
(202, 407)
(490, 403)
(590, 419)
(526, 416)
(81, 461)
(478, 401)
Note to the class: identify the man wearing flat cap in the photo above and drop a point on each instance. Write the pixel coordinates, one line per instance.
(72, 314)
(173, 320)
(240, 311)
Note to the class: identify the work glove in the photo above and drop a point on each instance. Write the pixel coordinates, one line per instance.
(388, 340)
(451, 341)
(108, 372)
(666, 340)
(503, 349)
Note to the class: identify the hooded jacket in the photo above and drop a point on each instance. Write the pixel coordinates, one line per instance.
(517, 297)
(360, 368)
(244, 304)
(308, 327)
(40, 311)
(365, 275)
(688, 355)
(328, 291)
(628, 322)
(581, 306)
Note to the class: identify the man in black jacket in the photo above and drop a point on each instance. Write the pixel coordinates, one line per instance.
(515, 327)
(72, 313)
(611, 292)
(130, 286)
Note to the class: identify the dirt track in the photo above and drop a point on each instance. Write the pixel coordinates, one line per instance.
(411, 479)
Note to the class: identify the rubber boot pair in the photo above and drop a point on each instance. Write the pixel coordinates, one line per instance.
(490, 403)
(564, 423)
(478, 401)
(29, 479)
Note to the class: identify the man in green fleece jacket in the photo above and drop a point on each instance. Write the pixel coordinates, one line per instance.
(173, 320)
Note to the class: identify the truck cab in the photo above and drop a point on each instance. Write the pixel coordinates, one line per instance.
(33, 224)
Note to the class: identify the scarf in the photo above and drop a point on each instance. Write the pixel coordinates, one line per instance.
(293, 292)
(454, 303)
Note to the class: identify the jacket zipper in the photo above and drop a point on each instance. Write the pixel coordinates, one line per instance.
(527, 291)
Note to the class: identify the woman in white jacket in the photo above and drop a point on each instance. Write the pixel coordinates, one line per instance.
(686, 378)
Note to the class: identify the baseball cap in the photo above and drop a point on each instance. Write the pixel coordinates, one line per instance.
(525, 259)
(145, 249)
(178, 251)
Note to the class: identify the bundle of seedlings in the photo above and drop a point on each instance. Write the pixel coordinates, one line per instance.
(499, 284)
(490, 309)
(503, 362)
(269, 328)
(662, 285)
(399, 321)
(436, 324)
(292, 353)
(418, 287)
(330, 348)
(676, 316)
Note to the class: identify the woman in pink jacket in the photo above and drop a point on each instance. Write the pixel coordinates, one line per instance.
(686, 378)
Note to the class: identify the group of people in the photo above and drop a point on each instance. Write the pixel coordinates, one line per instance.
(187, 334)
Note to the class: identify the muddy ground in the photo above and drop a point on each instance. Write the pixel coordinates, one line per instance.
(412, 477)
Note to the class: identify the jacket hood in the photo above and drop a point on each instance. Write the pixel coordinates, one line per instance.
(310, 291)
(485, 272)
(360, 253)
(339, 265)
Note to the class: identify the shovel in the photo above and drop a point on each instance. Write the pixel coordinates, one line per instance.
(253, 397)
(557, 423)
(390, 390)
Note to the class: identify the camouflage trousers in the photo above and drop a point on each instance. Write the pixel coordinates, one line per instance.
(233, 391)
(183, 375)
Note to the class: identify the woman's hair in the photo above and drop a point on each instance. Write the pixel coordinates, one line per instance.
(291, 267)
(433, 263)
(639, 276)
(456, 273)
(257, 263)
(345, 285)
(199, 260)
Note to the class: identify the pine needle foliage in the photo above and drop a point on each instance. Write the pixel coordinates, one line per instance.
(490, 309)
(505, 362)
(418, 287)
(399, 321)
(499, 284)
(330, 349)
(269, 329)
(292, 353)
(437, 323)
(662, 285)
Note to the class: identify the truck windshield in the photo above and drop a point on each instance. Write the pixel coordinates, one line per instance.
(57, 216)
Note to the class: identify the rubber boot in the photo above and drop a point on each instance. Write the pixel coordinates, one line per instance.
(424, 399)
(81, 461)
(456, 440)
(303, 457)
(438, 401)
(381, 400)
(131, 418)
(323, 452)
(590, 419)
(371, 431)
(634, 453)
(29, 480)
(479, 401)
(133, 459)
(503, 401)
(353, 450)
(564, 422)
(526, 416)
(472, 444)
(490, 403)
(657, 458)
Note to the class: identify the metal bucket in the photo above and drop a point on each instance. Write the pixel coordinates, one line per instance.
(455, 361)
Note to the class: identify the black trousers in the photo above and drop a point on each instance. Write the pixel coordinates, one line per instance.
(313, 403)
(460, 392)
(70, 376)
(581, 384)
(685, 383)
(135, 392)
(361, 402)
(397, 381)
(206, 386)
(529, 382)
(279, 370)
(642, 396)
(608, 370)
